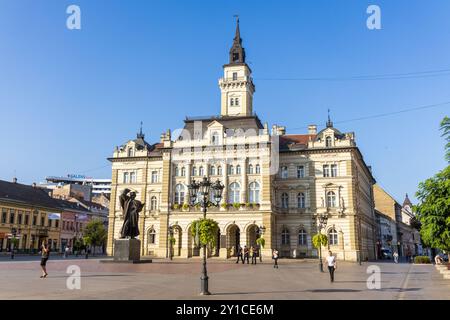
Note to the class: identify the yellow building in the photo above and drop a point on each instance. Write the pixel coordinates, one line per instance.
(276, 184)
(26, 211)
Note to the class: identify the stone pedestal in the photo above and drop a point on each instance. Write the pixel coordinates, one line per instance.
(127, 250)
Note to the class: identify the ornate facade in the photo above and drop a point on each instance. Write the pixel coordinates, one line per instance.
(275, 183)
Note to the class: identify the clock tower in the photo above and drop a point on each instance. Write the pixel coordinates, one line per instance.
(237, 86)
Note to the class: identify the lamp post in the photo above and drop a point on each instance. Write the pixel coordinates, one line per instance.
(322, 223)
(200, 193)
(170, 242)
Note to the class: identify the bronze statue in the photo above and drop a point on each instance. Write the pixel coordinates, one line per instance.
(131, 208)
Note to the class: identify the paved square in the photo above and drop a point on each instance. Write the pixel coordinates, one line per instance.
(180, 279)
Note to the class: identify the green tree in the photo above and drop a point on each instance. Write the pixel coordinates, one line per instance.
(95, 234)
(204, 231)
(319, 240)
(445, 127)
(433, 211)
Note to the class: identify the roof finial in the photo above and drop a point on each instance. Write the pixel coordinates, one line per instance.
(140, 135)
(329, 122)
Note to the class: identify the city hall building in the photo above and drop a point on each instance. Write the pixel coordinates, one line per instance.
(276, 184)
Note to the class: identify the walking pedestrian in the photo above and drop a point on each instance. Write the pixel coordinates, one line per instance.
(239, 254)
(254, 254)
(395, 257)
(66, 252)
(275, 258)
(246, 255)
(44, 257)
(331, 262)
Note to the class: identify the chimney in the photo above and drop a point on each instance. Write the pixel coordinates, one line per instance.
(312, 129)
(14, 180)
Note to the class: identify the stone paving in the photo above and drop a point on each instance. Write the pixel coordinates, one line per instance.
(180, 279)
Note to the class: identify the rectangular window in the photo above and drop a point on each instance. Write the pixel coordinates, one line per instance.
(12, 216)
(234, 76)
(19, 217)
(154, 176)
(4, 215)
(284, 172)
(42, 221)
(334, 170)
(132, 177)
(49, 222)
(125, 177)
(326, 170)
(27, 219)
(34, 220)
(300, 172)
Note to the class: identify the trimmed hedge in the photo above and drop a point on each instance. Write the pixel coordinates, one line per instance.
(422, 259)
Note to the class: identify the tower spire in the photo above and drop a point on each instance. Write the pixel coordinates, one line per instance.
(140, 135)
(329, 122)
(237, 52)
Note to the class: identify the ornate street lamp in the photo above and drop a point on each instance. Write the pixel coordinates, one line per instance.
(200, 193)
(322, 223)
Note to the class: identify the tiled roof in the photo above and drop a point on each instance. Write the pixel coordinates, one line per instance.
(26, 194)
(295, 141)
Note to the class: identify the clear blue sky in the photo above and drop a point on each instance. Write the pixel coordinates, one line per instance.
(67, 98)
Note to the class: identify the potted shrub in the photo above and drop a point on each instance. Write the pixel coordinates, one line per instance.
(185, 206)
(236, 205)
(176, 206)
(249, 205)
(224, 205)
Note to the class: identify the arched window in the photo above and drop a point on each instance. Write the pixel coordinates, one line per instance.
(177, 171)
(130, 152)
(151, 236)
(201, 172)
(212, 170)
(333, 237)
(250, 169)
(153, 203)
(328, 142)
(257, 169)
(253, 192)
(215, 138)
(219, 170)
(331, 199)
(284, 200)
(301, 200)
(183, 171)
(230, 169)
(302, 238)
(194, 171)
(238, 169)
(285, 239)
(179, 194)
(234, 193)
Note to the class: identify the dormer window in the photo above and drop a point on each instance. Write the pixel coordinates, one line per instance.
(215, 138)
(130, 152)
(328, 142)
